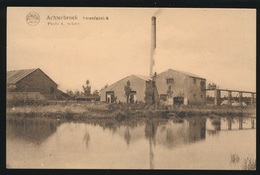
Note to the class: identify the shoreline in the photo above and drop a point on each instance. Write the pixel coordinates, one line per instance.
(120, 112)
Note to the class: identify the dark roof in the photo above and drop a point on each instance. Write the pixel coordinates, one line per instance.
(16, 75)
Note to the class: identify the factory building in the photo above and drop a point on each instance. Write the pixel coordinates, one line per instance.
(178, 87)
(172, 87)
(116, 91)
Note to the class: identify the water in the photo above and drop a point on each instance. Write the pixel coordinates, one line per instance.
(192, 143)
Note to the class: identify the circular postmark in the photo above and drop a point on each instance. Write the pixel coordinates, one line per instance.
(32, 18)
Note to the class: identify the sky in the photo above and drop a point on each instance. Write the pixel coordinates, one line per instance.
(216, 44)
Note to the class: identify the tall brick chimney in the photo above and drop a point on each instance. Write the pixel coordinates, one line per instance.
(153, 44)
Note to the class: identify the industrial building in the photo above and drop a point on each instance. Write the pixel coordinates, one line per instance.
(173, 87)
(116, 91)
(170, 87)
(32, 80)
(178, 87)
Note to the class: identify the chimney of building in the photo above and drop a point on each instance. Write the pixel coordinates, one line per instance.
(153, 44)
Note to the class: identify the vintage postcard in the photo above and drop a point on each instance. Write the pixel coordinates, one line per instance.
(131, 88)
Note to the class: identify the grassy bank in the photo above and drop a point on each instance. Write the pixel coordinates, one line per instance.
(122, 111)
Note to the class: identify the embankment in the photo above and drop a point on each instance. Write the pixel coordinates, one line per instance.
(88, 111)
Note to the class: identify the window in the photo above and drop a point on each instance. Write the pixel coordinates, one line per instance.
(194, 80)
(163, 97)
(52, 90)
(170, 81)
(202, 85)
(194, 95)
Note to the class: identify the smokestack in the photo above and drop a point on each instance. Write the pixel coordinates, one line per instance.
(153, 44)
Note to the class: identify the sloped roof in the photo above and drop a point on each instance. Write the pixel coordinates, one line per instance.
(183, 72)
(16, 75)
(143, 77)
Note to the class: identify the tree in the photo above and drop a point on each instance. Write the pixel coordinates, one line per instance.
(96, 92)
(87, 88)
(70, 93)
(76, 93)
(127, 91)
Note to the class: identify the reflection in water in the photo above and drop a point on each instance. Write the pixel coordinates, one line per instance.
(31, 130)
(150, 132)
(127, 136)
(86, 138)
(216, 122)
(240, 122)
(110, 140)
(252, 123)
(212, 132)
(174, 134)
(197, 128)
(229, 124)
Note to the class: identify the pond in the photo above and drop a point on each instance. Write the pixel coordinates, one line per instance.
(189, 143)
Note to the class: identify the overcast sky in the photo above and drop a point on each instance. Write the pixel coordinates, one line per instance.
(217, 44)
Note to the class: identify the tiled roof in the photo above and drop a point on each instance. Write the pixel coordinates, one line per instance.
(16, 75)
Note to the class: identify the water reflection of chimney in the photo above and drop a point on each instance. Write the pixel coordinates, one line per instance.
(150, 132)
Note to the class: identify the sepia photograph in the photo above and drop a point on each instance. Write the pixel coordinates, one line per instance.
(131, 88)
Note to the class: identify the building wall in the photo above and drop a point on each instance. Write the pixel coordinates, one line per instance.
(196, 95)
(37, 81)
(183, 85)
(118, 88)
(179, 85)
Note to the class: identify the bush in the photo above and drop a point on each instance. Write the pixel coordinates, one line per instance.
(249, 164)
(25, 100)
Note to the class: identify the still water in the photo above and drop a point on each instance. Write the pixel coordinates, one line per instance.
(190, 143)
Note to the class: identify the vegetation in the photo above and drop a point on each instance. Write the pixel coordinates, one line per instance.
(120, 111)
(127, 91)
(25, 99)
(86, 91)
(249, 164)
(87, 88)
